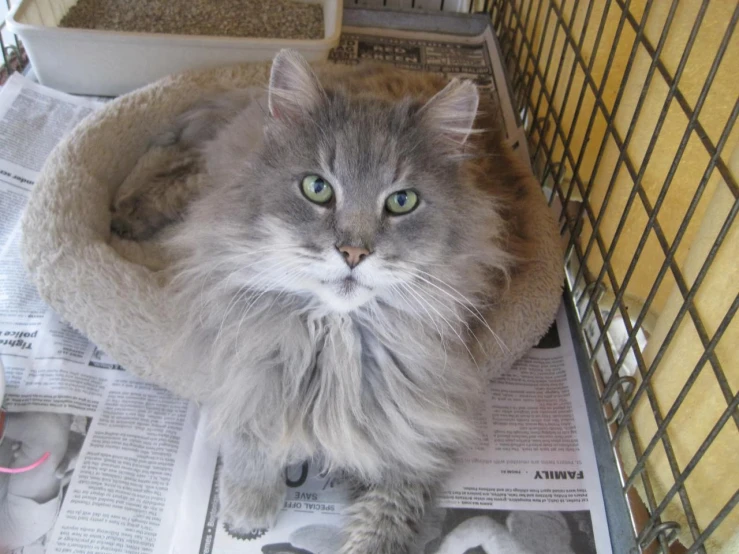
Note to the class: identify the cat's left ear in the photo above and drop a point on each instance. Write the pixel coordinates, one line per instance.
(293, 86)
(452, 111)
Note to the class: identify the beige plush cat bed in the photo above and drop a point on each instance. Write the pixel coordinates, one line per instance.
(115, 291)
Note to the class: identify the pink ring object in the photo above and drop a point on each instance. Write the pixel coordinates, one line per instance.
(34, 465)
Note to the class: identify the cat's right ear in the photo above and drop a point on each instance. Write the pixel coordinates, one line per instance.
(452, 112)
(293, 86)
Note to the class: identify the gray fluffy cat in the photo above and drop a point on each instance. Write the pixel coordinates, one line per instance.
(336, 268)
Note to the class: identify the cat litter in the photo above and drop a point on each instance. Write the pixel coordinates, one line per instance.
(226, 18)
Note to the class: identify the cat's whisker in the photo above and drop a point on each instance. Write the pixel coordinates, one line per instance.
(439, 330)
(205, 305)
(243, 269)
(250, 255)
(457, 317)
(270, 286)
(245, 312)
(404, 297)
(259, 286)
(453, 313)
(205, 278)
(278, 265)
(433, 322)
(224, 283)
(287, 278)
(241, 251)
(220, 283)
(236, 298)
(449, 324)
(467, 304)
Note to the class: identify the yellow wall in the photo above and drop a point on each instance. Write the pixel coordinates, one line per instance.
(716, 477)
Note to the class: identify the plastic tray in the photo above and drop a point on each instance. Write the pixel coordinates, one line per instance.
(109, 63)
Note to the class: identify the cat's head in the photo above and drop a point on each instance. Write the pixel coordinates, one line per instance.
(351, 198)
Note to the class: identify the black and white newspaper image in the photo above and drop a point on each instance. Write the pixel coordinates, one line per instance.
(512, 531)
(139, 472)
(30, 502)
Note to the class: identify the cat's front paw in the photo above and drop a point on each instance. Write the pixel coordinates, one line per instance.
(132, 220)
(124, 222)
(245, 509)
(374, 546)
(381, 539)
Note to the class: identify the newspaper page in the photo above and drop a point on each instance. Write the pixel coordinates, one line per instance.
(118, 447)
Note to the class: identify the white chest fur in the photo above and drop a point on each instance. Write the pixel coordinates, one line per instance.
(357, 396)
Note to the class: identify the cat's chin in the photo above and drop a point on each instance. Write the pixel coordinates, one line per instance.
(343, 296)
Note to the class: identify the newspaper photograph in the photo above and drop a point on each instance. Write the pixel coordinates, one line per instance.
(131, 467)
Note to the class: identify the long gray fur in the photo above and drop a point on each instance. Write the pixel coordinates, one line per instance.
(375, 378)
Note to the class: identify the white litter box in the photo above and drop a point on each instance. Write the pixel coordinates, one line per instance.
(109, 63)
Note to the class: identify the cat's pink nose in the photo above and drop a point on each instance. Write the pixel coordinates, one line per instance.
(353, 255)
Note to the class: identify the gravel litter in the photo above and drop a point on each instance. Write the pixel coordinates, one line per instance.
(223, 18)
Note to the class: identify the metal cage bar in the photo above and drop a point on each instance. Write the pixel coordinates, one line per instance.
(14, 56)
(550, 44)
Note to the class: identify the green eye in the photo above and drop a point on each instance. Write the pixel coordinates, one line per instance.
(316, 189)
(401, 202)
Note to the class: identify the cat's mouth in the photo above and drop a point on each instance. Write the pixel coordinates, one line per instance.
(344, 294)
(346, 285)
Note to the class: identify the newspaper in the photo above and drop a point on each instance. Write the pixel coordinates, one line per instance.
(119, 448)
(132, 468)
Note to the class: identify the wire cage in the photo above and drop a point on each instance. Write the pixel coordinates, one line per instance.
(13, 55)
(629, 106)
